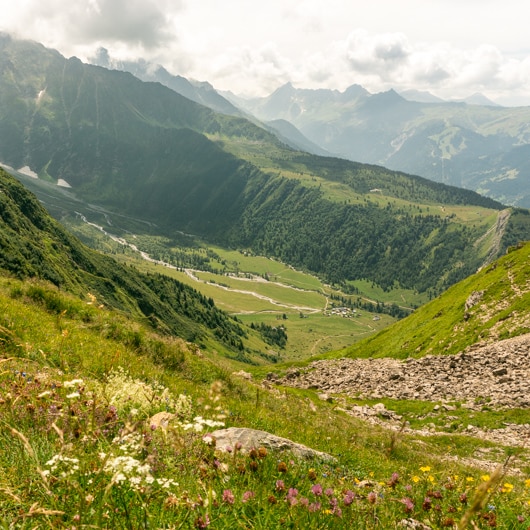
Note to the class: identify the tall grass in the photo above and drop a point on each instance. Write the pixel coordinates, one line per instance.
(81, 445)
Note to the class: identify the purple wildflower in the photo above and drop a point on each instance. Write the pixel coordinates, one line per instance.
(372, 497)
(247, 496)
(408, 504)
(394, 480)
(291, 496)
(202, 521)
(314, 507)
(348, 497)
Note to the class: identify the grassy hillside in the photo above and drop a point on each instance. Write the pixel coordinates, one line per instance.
(33, 245)
(78, 393)
(488, 306)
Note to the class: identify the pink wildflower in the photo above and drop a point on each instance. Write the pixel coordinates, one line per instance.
(372, 497)
(202, 521)
(247, 496)
(228, 497)
(348, 497)
(408, 504)
(316, 489)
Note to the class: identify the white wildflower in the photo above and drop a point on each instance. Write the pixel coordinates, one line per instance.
(72, 383)
(62, 466)
(73, 395)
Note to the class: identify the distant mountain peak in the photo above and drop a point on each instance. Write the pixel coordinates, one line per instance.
(420, 96)
(480, 99)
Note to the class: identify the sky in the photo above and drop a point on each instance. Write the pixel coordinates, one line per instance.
(451, 48)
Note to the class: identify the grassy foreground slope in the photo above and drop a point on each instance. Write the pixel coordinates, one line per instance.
(79, 391)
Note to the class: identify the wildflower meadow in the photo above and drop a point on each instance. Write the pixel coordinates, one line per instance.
(90, 457)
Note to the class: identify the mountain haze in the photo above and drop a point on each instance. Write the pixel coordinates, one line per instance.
(472, 144)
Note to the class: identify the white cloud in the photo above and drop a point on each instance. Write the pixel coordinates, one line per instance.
(451, 48)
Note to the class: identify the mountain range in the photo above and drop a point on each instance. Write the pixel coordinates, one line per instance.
(142, 150)
(473, 144)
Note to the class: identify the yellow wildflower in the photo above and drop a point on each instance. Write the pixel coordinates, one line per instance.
(527, 482)
(470, 479)
(431, 479)
(485, 478)
(425, 469)
(415, 478)
(507, 487)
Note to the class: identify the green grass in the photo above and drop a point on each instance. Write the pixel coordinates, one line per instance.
(78, 385)
(445, 326)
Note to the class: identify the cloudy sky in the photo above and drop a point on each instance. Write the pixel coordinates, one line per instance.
(452, 48)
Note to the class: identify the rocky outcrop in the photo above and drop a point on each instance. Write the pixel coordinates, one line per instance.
(247, 439)
(497, 374)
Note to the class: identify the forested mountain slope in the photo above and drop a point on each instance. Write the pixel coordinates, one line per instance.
(33, 245)
(143, 150)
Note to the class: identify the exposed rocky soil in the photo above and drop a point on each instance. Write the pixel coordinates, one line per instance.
(495, 375)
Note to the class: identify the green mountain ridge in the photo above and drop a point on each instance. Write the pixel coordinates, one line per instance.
(142, 150)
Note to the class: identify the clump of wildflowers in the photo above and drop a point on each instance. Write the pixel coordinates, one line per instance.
(61, 466)
(126, 393)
